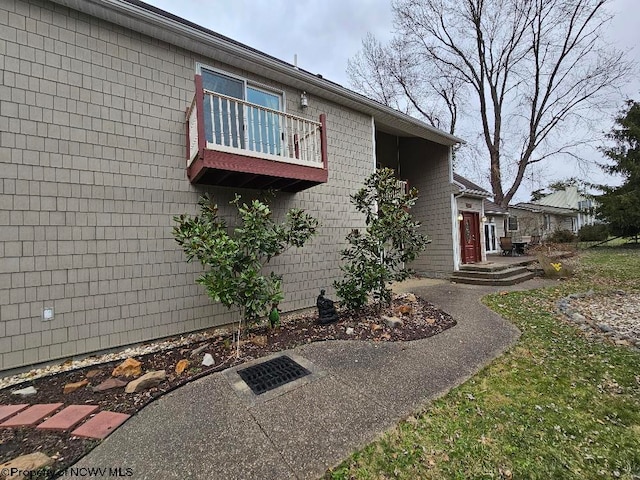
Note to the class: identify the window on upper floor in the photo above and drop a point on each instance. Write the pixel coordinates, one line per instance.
(584, 205)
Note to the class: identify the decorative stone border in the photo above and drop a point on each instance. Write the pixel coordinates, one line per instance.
(592, 328)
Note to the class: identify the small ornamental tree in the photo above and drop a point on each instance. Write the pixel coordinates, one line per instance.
(378, 256)
(233, 261)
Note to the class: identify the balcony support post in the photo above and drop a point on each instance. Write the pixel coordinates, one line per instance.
(323, 139)
(202, 139)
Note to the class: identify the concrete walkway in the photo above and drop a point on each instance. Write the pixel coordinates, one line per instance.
(212, 428)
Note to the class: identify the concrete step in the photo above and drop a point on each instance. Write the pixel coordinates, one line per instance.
(510, 280)
(496, 274)
(496, 266)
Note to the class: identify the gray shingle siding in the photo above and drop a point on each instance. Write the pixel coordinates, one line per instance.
(92, 154)
(426, 166)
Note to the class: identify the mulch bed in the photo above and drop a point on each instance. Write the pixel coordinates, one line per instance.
(420, 320)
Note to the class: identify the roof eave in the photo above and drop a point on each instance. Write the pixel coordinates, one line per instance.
(176, 31)
(472, 193)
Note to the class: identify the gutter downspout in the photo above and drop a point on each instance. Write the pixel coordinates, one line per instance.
(457, 255)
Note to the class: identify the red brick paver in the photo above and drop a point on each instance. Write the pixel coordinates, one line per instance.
(7, 410)
(31, 415)
(101, 425)
(68, 418)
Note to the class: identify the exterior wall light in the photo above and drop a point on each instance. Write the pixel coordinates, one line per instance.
(304, 101)
(484, 219)
(460, 217)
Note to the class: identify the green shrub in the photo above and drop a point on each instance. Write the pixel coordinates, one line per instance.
(377, 256)
(562, 236)
(233, 260)
(594, 233)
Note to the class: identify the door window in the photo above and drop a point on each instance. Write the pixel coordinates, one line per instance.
(264, 126)
(467, 230)
(490, 237)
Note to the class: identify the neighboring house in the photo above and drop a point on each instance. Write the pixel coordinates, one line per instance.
(527, 219)
(473, 233)
(570, 198)
(115, 116)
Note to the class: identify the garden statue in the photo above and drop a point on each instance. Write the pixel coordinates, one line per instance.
(326, 310)
(274, 316)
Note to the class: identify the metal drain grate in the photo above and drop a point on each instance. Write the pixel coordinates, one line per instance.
(272, 374)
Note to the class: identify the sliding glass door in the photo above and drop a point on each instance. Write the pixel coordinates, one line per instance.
(264, 126)
(223, 118)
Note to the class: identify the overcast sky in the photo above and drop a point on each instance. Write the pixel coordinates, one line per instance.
(326, 34)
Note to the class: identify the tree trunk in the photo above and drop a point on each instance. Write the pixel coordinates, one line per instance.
(496, 178)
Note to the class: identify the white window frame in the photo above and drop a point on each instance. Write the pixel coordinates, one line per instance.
(491, 240)
(245, 82)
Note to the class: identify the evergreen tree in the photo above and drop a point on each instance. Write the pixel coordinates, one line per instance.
(620, 206)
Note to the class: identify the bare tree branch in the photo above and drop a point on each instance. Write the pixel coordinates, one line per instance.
(534, 69)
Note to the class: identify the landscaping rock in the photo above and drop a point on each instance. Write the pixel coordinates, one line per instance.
(410, 297)
(148, 380)
(25, 391)
(181, 366)
(25, 463)
(109, 384)
(208, 360)
(405, 310)
(375, 327)
(605, 328)
(349, 331)
(72, 387)
(578, 318)
(129, 368)
(195, 352)
(610, 316)
(392, 322)
(260, 340)
(93, 373)
(563, 304)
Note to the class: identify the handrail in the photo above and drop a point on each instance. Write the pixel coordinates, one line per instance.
(235, 125)
(219, 122)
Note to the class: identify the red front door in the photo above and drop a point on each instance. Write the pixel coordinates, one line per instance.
(470, 237)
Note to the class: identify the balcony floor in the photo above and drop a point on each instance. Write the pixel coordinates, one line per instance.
(240, 171)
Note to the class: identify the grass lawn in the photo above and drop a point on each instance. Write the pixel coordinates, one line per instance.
(612, 243)
(556, 406)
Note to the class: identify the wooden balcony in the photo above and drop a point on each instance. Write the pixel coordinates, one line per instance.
(235, 143)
